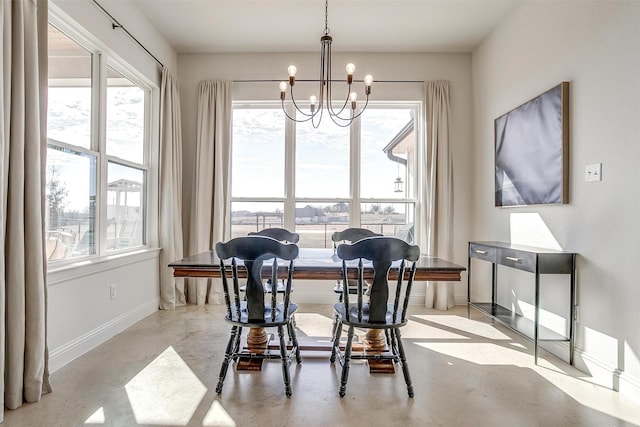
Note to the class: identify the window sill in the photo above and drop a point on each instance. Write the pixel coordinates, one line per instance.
(86, 267)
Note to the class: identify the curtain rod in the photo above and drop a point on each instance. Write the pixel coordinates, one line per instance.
(115, 24)
(312, 80)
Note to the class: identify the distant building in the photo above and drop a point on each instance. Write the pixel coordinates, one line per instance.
(310, 215)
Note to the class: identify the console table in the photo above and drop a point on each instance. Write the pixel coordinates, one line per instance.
(534, 260)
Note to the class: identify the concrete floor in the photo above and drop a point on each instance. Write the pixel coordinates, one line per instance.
(466, 372)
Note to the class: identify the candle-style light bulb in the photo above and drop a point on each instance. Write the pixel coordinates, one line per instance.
(283, 90)
(313, 100)
(350, 69)
(368, 81)
(292, 70)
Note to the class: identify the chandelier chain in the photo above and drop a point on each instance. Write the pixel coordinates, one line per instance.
(326, 17)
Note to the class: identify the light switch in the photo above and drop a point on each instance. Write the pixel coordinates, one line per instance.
(593, 172)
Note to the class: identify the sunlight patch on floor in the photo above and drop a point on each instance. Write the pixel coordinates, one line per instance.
(165, 392)
(419, 330)
(314, 324)
(217, 416)
(97, 417)
(466, 326)
(481, 353)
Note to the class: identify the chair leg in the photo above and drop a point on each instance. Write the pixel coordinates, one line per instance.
(294, 341)
(403, 360)
(236, 347)
(337, 333)
(389, 338)
(228, 355)
(285, 362)
(345, 366)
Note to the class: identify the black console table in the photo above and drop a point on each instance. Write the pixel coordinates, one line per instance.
(534, 260)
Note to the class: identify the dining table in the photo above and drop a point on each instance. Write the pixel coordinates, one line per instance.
(319, 264)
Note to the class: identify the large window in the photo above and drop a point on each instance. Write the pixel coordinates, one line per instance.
(96, 175)
(317, 181)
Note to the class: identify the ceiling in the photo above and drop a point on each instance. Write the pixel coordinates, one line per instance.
(215, 26)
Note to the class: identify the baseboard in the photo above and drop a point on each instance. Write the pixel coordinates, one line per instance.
(599, 372)
(64, 354)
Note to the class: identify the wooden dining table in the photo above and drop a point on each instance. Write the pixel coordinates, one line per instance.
(319, 264)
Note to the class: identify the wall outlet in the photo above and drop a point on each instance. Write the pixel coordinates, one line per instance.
(593, 172)
(113, 291)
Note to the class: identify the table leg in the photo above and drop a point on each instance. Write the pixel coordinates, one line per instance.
(375, 342)
(257, 340)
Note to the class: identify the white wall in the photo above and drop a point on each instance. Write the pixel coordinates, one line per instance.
(594, 46)
(194, 68)
(81, 313)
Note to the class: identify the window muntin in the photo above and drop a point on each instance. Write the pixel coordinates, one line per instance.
(324, 173)
(79, 220)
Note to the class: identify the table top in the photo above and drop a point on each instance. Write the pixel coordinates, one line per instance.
(317, 263)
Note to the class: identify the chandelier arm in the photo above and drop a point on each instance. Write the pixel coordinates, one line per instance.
(352, 118)
(296, 105)
(362, 109)
(344, 121)
(284, 110)
(313, 122)
(342, 125)
(325, 74)
(329, 84)
(346, 101)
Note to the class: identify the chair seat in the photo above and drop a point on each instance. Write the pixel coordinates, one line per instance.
(264, 323)
(389, 322)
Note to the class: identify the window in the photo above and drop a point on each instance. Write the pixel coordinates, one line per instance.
(96, 175)
(317, 181)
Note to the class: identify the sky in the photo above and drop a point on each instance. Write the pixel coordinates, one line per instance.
(322, 155)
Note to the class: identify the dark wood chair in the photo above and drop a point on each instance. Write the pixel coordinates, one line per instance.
(249, 258)
(384, 308)
(282, 235)
(349, 235)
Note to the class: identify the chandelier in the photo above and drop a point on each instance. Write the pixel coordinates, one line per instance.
(347, 113)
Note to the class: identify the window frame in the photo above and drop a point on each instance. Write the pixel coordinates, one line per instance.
(102, 58)
(354, 200)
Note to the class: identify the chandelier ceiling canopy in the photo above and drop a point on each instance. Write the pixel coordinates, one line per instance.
(343, 116)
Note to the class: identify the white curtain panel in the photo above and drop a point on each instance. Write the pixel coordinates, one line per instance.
(172, 291)
(438, 211)
(211, 188)
(23, 298)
